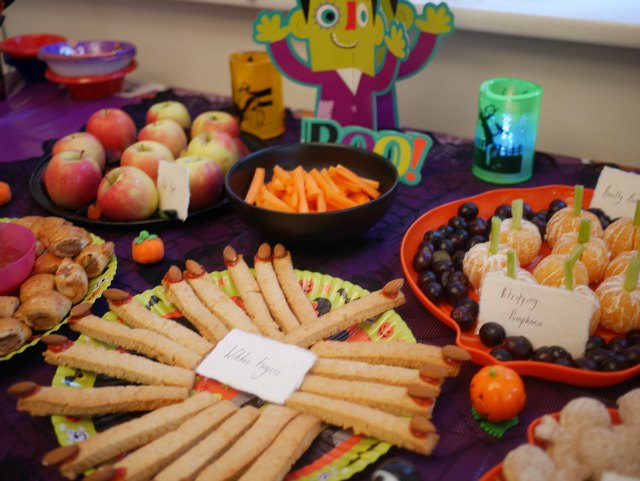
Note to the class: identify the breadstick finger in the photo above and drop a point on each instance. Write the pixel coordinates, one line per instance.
(300, 304)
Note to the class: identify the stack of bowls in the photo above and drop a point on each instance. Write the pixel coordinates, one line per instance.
(21, 52)
(90, 69)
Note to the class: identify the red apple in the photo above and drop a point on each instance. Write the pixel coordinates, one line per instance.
(146, 155)
(114, 129)
(84, 142)
(71, 179)
(216, 145)
(127, 194)
(205, 180)
(167, 132)
(170, 109)
(215, 120)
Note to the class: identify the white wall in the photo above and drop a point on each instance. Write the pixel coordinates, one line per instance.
(590, 108)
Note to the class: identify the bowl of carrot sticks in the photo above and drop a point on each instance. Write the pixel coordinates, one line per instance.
(311, 193)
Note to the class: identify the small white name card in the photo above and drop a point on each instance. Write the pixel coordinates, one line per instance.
(173, 188)
(547, 316)
(617, 192)
(258, 365)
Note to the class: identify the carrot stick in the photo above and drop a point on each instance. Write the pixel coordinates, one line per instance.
(353, 177)
(283, 175)
(321, 181)
(256, 183)
(273, 202)
(298, 180)
(311, 186)
(359, 197)
(325, 175)
(346, 185)
(321, 203)
(342, 200)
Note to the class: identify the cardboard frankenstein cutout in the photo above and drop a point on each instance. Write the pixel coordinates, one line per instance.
(354, 52)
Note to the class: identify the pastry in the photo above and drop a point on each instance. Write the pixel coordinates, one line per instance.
(193, 461)
(276, 461)
(41, 226)
(129, 435)
(272, 292)
(433, 361)
(9, 305)
(182, 296)
(251, 444)
(13, 334)
(142, 341)
(69, 401)
(121, 365)
(37, 284)
(391, 399)
(44, 310)
(145, 462)
(300, 304)
(47, 263)
(65, 240)
(217, 301)
(363, 371)
(250, 293)
(358, 310)
(134, 314)
(95, 257)
(528, 463)
(71, 280)
(28, 221)
(416, 434)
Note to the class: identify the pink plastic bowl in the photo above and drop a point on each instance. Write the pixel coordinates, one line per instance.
(17, 255)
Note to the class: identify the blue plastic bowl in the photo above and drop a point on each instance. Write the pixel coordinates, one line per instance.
(87, 58)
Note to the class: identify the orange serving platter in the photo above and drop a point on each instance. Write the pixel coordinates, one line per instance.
(539, 198)
(495, 473)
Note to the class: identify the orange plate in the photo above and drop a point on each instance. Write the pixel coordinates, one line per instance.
(539, 198)
(495, 473)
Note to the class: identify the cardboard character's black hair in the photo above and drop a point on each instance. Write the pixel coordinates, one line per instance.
(374, 4)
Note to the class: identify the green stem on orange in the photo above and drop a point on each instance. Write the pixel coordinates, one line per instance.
(636, 217)
(578, 193)
(516, 214)
(584, 234)
(494, 237)
(632, 273)
(511, 264)
(569, 262)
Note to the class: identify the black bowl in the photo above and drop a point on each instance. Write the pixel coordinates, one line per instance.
(313, 228)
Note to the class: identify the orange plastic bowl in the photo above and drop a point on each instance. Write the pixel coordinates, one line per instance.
(17, 255)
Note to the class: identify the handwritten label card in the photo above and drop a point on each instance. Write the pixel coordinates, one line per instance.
(617, 192)
(547, 316)
(173, 188)
(258, 365)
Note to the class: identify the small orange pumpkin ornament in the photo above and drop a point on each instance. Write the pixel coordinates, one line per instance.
(497, 393)
(147, 248)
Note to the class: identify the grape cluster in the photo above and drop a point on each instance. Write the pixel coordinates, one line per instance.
(620, 352)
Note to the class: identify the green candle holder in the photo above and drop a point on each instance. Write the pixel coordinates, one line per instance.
(506, 130)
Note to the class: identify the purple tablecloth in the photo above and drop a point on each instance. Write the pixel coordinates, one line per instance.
(465, 451)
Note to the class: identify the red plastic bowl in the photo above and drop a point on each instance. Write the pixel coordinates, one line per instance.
(27, 46)
(95, 87)
(17, 255)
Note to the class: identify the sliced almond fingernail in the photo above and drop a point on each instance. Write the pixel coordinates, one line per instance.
(391, 288)
(81, 310)
(105, 473)
(431, 371)
(279, 251)
(422, 425)
(51, 339)
(113, 294)
(21, 388)
(456, 353)
(194, 268)
(174, 274)
(421, 391)
(229, 254)
(264, 252)
(59, 455)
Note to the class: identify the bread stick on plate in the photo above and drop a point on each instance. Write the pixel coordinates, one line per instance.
(300, 304)
(134, 314)
(272, 292)
(182, 296)
(217, 301)
(251, 294)
(358, 310)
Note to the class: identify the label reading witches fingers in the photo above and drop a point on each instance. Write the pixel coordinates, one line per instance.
(258, 365)
(547, 316)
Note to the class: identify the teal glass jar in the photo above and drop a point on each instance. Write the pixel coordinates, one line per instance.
(506, 130)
